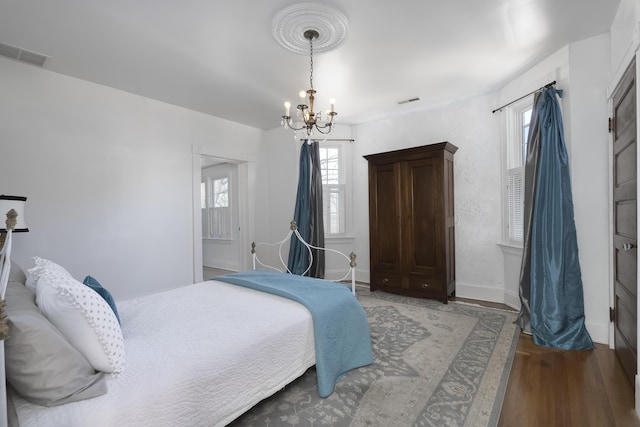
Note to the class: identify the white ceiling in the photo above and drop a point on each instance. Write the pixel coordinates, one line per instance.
(220, 57)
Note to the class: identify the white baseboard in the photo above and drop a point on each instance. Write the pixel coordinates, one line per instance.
(599, 332)
(512, 299)
(363, 276)
(221, 265)
(482, 293)
(463, 290)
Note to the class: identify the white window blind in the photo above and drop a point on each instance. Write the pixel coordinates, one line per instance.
(216, 212)
(219, 213)
(517, 126)
(515, 204)
(334, 190)
(333, 204)
(203, 195)
(220, 223)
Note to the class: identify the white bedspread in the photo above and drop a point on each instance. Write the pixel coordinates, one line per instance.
(200, 355)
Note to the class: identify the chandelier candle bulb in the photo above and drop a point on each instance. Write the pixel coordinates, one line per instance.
(332, 105)
(287, 108)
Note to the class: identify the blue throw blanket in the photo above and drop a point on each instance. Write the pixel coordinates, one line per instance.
(340, 326)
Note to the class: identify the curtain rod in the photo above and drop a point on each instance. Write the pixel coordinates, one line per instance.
(548, 85)
(327, 139)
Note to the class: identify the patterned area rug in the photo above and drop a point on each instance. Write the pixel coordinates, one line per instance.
(434, 365)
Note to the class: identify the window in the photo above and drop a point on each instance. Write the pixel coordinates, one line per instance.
(216, 208)
(333, 165)
(220, 213)
(515, 204)
(525, 120)
(518, 122)
(203, 195)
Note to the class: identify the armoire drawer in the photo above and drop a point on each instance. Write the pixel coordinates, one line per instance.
(427, 284)
(384, 280)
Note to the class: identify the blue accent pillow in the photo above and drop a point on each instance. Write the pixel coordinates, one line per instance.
(96, 286)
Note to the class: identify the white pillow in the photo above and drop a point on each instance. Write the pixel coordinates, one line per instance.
(50, 265)
(43, 265)
(83, 317)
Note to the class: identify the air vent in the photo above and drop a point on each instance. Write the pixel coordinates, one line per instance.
(406, 101)
(23, 55)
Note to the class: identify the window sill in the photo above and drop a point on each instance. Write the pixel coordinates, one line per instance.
(339, 239)
(511, 248)
(223, 241)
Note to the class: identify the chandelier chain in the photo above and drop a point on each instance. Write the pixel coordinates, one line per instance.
(311, 60)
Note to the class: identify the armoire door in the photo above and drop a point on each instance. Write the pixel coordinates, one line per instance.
(423, 217)
(384, 219)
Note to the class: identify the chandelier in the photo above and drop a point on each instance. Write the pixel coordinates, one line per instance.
(310, 120)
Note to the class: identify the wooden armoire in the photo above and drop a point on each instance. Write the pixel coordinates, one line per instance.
(411, 221)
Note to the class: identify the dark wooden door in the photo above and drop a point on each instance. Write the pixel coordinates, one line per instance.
(624, 216)
(385, 222)
(423, 216)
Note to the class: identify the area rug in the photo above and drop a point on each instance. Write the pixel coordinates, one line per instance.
(434, 365)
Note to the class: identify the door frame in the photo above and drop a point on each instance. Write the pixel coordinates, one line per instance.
(243, 206)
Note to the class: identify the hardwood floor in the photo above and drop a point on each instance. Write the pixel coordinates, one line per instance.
(549, 387)
(557, 388)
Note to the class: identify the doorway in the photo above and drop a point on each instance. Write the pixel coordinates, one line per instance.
(213, 247)
(220, 219)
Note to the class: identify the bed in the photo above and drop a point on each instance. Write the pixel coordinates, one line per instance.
(198, 355)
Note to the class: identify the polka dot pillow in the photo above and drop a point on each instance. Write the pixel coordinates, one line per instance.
(43, 265)
(83, 317)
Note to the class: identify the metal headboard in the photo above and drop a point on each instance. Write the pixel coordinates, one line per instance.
(293, 230)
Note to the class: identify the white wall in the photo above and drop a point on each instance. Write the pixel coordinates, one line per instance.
(555, 67)
(469, 125)
(582, 72)
(624, 37)
(587, 119)
(282, 152)
(108, 176)
(283, 158)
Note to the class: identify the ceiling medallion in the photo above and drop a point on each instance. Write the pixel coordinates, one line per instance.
(290, 24)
